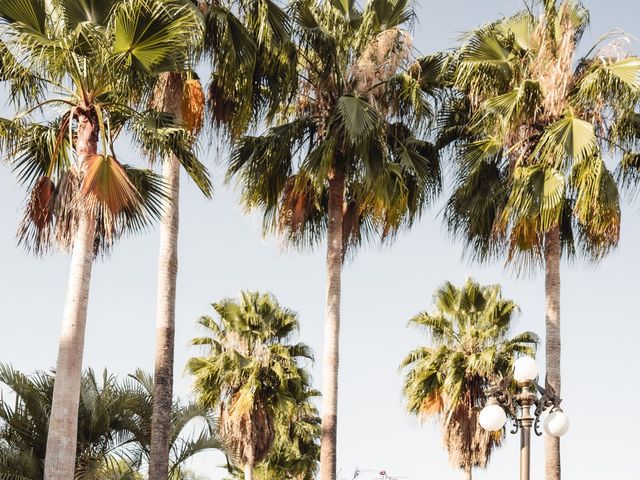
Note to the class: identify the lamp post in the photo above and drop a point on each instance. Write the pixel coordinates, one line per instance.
(530, 396)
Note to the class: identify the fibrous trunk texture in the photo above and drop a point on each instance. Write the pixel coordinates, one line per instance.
(168, 98)
(332, 329)
(552, 350)
(63, 422)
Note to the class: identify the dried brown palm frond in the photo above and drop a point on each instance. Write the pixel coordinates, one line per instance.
(432, 405)
(193, 106)
(249, 432)
(106, 182)
(36, 226)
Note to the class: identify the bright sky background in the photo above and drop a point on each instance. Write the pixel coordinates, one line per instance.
(222, 251)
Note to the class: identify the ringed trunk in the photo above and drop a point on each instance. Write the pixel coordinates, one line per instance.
(168, 97)
(552, 344)
(332, 328)
(62, 434)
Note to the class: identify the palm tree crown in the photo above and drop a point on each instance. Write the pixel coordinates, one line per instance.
(534, 125)
(250, 371)
(356, 112)
(469, 327)
(90, 65)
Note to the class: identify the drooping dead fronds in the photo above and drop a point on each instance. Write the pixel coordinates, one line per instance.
(193, 106)
(389, 51)
(249, 432)
(36, 226)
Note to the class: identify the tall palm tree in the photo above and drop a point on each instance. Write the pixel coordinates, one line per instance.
(93, 61)
(469, 327)
(249, 372)
(343, 157)
(114, 419)
(235, 37)
(532, 125)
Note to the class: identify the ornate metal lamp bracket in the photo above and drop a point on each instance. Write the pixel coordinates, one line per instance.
(548, 399)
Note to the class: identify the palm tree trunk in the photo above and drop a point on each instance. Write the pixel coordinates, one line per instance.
(248, 471)
(332, 328)
(552, 350)
(62, 435)
(167, 97)
(467, 474)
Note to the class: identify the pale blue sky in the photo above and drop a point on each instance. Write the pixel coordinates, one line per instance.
(222, 251)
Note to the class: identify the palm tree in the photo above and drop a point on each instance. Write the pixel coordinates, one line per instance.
(180, 94)
(236, 38)
(114, 424)
(250, 372)
(92, 62)
(469, 327)
(103, 441)
(342, 156)
(532, 126)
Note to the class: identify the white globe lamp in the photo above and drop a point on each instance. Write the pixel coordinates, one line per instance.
(492, 417)
(556, 424)
(525, 370)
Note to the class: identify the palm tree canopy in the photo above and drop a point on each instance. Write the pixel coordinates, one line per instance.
(114, 423)
(96, 61)
(103, 433)
(250, 371)
(471, 347)
(357, 108)
(252, 61)
(533, 126)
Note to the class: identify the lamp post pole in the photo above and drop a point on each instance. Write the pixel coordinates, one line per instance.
(525, 407)
(525, 399)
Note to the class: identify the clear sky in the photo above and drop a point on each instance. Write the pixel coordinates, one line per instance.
(222, 251)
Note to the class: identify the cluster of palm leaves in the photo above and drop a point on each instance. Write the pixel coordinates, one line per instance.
(336, 129)
(114, 427)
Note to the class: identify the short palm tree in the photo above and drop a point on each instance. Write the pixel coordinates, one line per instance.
(344, 158)
(469, 327)
(114, 427)
(249, 372)
(93, 62)
(103, 440)
(532, 126)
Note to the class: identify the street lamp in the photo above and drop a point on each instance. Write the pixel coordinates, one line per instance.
(493, 416)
